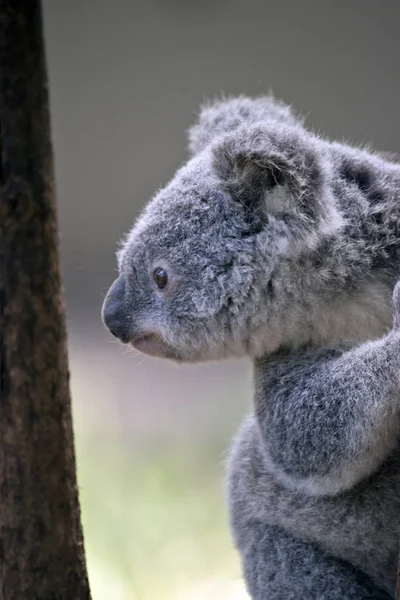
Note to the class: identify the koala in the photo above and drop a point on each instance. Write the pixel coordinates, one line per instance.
(276, 244)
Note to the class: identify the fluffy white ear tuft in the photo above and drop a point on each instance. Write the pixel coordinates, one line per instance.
(280, 171)
(229, 114)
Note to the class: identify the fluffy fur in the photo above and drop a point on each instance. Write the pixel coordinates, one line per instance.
(285, 247)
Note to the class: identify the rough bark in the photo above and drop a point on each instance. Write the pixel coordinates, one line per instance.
(41, 543)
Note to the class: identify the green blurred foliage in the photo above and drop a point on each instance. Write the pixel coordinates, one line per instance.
(152, 442)
(155, 522)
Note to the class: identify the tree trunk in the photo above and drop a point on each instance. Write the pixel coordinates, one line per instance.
(398, 578)
(41, 543)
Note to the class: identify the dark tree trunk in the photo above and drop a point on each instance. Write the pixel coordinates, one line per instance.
(398, 579)
(41, 544)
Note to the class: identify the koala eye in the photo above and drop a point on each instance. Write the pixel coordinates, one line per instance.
(160, 277)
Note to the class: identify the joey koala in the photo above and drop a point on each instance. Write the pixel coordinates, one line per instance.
(276, 244)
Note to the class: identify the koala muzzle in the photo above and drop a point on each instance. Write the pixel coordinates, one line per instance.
(114, 312)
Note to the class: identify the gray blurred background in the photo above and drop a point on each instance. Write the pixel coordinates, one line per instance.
(126, 81)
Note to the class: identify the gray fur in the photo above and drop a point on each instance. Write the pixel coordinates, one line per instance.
(228, 115)
(285, 247)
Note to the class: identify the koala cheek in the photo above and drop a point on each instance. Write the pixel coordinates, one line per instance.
(207, 302)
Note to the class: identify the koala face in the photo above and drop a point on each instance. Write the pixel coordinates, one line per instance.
(188, 276)
(207, 271)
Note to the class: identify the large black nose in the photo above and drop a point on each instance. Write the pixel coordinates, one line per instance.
(114, 311)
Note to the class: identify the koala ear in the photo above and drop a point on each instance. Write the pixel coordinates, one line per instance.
(276, 170)
(223, 116)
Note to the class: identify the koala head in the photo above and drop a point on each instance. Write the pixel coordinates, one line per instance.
(210, 269)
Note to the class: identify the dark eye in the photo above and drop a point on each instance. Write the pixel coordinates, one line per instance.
(160, 277)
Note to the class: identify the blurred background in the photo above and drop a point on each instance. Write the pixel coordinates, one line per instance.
(126, 81)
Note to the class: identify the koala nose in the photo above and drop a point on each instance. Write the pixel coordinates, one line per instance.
(113, 313)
